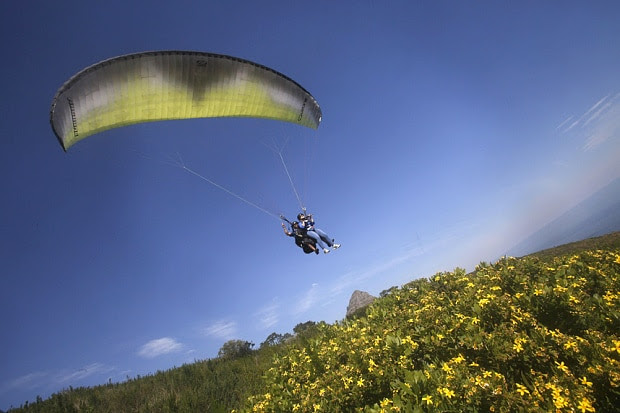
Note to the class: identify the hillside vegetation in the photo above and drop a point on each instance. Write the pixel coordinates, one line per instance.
(204, 386)
(538, 333)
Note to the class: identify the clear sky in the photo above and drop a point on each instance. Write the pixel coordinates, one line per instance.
(451, 131)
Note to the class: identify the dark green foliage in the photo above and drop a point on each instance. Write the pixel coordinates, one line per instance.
(233, 349)
(216, 385)
(303, 328)
(274, 339)
(360, 312)
(388, 291)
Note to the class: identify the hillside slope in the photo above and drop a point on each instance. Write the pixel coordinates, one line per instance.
(540, 332)
(597, 215)
(525, 334)
(608, 241)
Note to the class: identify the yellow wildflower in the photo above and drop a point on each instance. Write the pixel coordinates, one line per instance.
(559, 401)
(458, 359)
(428, 399)
(570, 345)
(585, 406)
(521, 389)
(609, 297)
(562, 367)
(360, 382)
(585, 382)
(447, 392)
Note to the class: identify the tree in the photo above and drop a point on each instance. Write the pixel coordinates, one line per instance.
(233, 349)
(303, 327)
(275, 339)
(388, 291)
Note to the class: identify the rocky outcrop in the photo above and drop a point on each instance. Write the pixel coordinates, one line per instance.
(358, 302)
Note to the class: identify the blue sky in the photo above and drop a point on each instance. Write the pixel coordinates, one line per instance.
(451, 131)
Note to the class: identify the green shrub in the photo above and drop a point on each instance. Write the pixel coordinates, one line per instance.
(519, 335)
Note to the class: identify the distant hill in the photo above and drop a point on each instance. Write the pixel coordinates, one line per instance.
(608, 241)
(597, 215)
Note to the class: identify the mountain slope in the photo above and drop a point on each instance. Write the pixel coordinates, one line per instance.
(597, 215)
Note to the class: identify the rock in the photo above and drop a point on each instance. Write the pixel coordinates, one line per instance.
(358, 302)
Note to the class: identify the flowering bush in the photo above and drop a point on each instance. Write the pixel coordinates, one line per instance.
(521, 334)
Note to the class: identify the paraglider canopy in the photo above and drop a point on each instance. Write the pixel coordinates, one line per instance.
(164, 85)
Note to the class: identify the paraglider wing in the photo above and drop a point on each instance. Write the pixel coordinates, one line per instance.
(165, 85)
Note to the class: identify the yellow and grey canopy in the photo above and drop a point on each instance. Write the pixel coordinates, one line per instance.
(152, 86)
